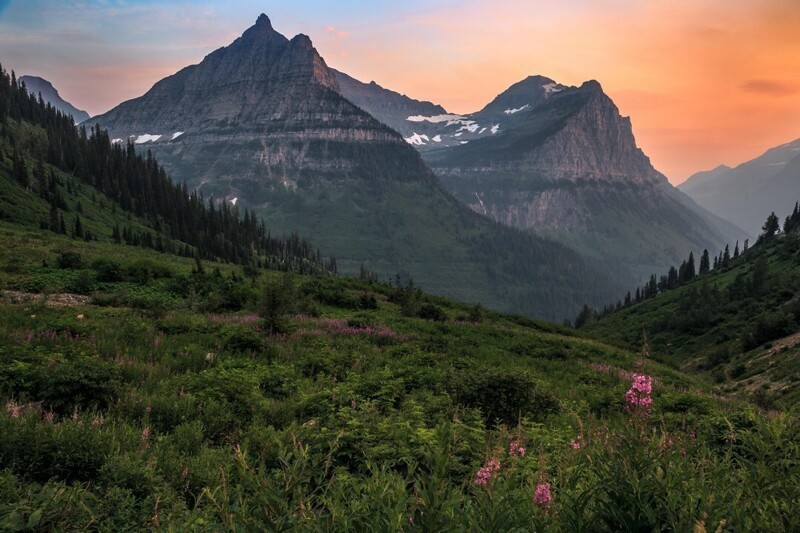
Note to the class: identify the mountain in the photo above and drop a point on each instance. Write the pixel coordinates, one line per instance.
(747, 194)
(262, 122)
(37, 85)
(561, 162)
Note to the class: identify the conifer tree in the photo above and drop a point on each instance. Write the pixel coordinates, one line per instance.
(771, 227)
(704, 263)
(689, 273)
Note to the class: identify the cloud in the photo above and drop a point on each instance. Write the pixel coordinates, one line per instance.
(770, 87)
(336, 32)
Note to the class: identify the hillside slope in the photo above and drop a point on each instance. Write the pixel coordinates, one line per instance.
(738, 324)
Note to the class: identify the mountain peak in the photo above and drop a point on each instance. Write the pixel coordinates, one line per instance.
(592, 85)
(263, 21)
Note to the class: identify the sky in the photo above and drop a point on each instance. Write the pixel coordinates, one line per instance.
(705, 82)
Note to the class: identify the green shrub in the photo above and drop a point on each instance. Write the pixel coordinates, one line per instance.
(69, 260)
(505, 396)
(430, 311)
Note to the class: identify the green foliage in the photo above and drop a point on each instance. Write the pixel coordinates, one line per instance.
(505, 396)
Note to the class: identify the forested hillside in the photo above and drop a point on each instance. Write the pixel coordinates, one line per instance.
(737, 320)
(44, 154)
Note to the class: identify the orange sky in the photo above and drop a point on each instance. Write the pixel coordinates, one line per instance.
(705, 81)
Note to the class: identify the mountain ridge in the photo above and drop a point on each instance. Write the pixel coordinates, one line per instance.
(37, 85)
(747, 193)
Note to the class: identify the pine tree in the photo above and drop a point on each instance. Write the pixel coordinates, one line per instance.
(771, 227)
(746, 246)
(726, 256)
(704, 263)
(77, 231)
(689, 273)
(736, 250)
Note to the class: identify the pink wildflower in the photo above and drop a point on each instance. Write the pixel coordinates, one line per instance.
(49, 417)
(185, 478)
(577, 443)
(13, 409)
(542, 497)
(516, 450)
(144, 439)
(638, 396)
(487, 472)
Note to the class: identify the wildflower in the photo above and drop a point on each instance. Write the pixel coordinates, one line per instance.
(210, 356)
(577, 443)
(13, 409)
(181, 393)
(638, 396)
(542, 497)
(486, 473)
(144, 439)
(49, 417)
(75, 414)
(515, 450)
(185, 478)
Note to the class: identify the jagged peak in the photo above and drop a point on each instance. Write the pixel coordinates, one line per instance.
(592, 85)
(263, 21)
(303, 40)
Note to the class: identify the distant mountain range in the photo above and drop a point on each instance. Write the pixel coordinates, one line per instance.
(263, 123)
(37, 85)
(747, 194)
(561, 162)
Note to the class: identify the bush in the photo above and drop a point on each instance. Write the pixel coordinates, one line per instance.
(432, 312)
(107, 270)
(505, 396)
(69, 260)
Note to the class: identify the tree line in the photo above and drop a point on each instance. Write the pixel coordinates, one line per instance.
(688, 270)
(39, 134)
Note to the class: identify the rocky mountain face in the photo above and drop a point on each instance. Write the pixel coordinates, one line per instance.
(747, 194)
(387, 106)
(262, 123)
(37, 86)
(562, 162)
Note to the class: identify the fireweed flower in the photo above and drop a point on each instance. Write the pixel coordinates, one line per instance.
(487, 472)
(542, 497)
(638, 396)
(516, 450)
(144, 439)
(577, 443)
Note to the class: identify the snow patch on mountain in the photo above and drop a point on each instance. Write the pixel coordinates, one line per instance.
(435, 119)
(417, 139)
(141, 139)
(177, 134)
(550, 88)
(437, 139)
(517, 110)
(495, 128)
